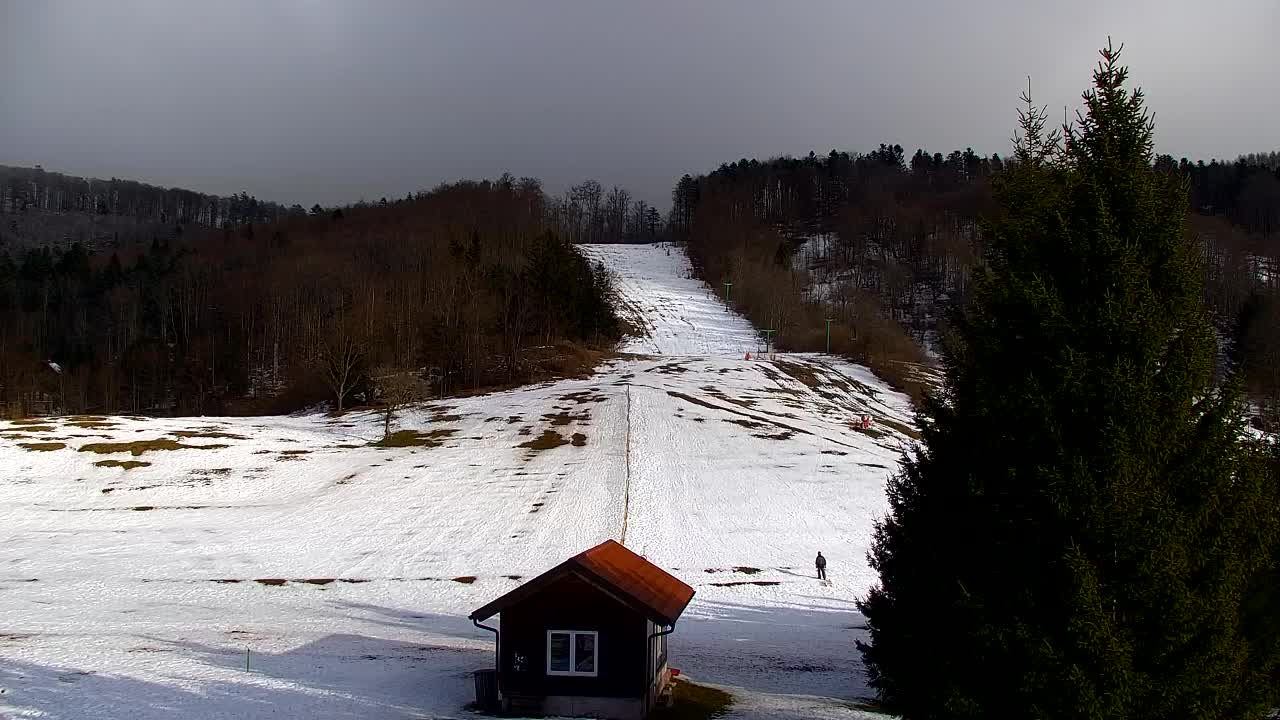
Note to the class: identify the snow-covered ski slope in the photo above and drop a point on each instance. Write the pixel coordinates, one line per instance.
(677, 314)
(347, 571)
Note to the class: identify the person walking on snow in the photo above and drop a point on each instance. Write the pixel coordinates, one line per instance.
(821, 564)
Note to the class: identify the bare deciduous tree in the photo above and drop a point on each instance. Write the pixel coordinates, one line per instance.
(399, 388)
(340, 360)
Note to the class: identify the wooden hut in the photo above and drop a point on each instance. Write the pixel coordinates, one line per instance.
(588, 637)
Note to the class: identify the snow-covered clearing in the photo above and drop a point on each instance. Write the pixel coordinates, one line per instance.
(347, 571)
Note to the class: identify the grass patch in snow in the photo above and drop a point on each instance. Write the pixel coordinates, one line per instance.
(564, 418)
(91, 423)
(900, 427)
(42, 446)
(548, 440)
(748, 424)
(803, 373)
(690, 701)
(869, 432)
(579, 440)
(29, 421)
(784, 435)
(414, 438)
(207, 434)
(137, 447)
(35, 428)
(123, 464)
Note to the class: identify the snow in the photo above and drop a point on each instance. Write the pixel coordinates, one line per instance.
(133, 592)
(678, 314)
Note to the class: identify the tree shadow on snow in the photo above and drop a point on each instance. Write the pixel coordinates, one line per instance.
(774, 649)
(448, 625)
(343, 677)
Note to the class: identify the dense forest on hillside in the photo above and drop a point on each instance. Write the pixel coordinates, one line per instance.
(465, 286)
(884, 245)
(40, 208)
(155, 300)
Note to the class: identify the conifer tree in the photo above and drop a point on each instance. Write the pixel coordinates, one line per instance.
(1078, 533)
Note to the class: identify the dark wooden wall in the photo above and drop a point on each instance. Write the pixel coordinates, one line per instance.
(573, 604)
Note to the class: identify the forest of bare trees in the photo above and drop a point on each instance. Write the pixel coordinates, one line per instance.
(884, 245)
(39, 208)
(466, 286)
(163, 301)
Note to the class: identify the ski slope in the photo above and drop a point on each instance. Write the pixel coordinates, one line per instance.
(346, 571)
(676, 313)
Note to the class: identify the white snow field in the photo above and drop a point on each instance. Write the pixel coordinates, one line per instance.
(283, 567)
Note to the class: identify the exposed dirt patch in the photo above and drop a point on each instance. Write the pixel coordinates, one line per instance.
(226, 580)
(271, 581)
(95, 424)
(123, 464)
(746, 570)
(514, 577)
(137, 447)
(42, 446)
(352, 580)
(583, 397)
(29, 421)
(548, 440)
(465, 579)
(415, 438)
(749, 424)
(315, 581)
(142, 508)
(35, 428)
(579, 440)
(834, 452)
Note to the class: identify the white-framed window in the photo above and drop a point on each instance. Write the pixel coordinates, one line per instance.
(573, 652)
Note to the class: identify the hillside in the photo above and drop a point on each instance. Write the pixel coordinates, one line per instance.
(347, 570)
(39, 208)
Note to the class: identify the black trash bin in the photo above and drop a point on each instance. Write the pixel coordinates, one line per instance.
(487, 689)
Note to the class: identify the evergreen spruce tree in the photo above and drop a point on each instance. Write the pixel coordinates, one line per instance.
(1078, 533)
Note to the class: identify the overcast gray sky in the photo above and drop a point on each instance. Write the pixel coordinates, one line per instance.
(328, 101)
